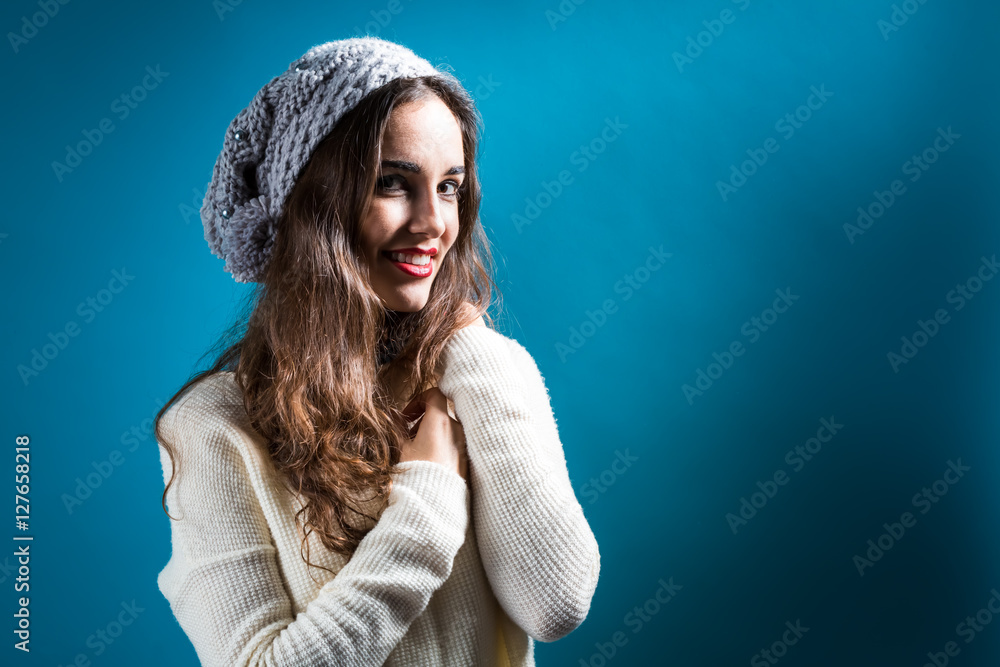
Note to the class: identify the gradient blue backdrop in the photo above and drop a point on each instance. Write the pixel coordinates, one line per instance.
(547, 83)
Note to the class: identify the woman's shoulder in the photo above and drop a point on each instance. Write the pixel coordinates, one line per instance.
(517, 349)
(485, 349)
(214, 403)
(484, 335)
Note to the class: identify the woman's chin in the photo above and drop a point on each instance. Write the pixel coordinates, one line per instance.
(405, 302)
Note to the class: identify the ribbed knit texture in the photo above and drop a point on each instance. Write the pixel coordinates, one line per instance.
(447, 565)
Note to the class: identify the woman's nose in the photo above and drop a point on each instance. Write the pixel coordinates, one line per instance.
(427, 214)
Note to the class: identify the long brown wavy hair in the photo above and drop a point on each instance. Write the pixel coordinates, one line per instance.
(306, 351)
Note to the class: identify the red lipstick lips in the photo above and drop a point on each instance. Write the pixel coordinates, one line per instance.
(416, 251)
(415, 270)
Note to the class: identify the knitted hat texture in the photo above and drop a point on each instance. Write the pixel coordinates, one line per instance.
(270, 141)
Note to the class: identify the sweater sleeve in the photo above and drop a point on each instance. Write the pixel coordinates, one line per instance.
(223, 580)
(537, 548)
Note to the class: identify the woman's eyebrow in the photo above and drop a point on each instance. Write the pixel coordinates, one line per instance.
(415, 168)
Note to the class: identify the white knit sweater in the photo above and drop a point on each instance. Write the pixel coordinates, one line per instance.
(451, 574)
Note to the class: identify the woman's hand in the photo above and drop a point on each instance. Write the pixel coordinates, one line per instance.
(439, 438)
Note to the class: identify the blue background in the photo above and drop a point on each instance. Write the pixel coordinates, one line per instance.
(131, 206)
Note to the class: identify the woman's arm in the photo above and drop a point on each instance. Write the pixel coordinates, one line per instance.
(538, 550)
(223, 581)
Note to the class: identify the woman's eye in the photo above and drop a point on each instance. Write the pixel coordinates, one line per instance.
(390, 183)
(452, 188)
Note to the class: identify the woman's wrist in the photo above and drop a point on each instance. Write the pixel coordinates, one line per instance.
(439, 488)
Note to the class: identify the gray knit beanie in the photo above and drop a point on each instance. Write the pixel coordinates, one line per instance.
(269, 142)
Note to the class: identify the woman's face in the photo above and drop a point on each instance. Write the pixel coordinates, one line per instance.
(415, 206)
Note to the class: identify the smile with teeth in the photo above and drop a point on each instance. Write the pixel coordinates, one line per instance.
(416, 266)
(416, 260)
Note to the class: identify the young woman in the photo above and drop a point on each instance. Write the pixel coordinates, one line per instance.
(368, 474)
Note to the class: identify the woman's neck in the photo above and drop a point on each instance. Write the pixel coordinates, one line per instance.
(390, 343)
